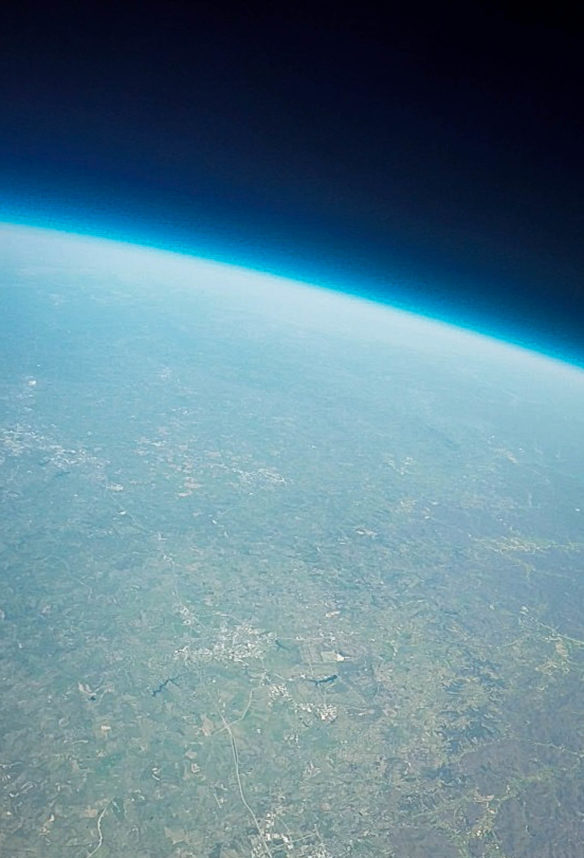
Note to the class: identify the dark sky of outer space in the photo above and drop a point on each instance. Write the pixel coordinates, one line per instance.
(432, 157)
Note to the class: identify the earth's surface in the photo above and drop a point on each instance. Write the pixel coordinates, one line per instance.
(283, 573)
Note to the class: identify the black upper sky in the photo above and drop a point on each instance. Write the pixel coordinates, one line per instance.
(434, 157)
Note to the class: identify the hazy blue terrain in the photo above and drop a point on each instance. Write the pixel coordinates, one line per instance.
(283, 573)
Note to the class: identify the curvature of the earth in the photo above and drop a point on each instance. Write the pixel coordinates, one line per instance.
(283, 573)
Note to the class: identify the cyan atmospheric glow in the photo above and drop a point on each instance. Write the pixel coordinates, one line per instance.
(315, 304)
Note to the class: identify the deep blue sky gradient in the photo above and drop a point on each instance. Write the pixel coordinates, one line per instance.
(431, 158)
